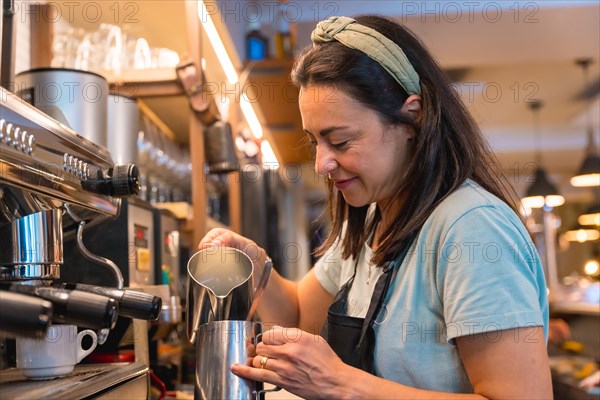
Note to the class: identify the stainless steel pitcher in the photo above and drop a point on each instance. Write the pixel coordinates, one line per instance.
(219, 345)
(220, 286)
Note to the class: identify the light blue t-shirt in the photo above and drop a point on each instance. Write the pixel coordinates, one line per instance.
(472, 269)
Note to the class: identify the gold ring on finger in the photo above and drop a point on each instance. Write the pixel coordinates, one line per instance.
(263, 361)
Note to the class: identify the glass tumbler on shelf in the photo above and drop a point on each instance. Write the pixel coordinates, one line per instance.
(65, 44)
(84, 54)
(112, 49)
(142, 55)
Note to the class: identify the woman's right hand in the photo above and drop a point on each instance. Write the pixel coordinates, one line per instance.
(224, 237)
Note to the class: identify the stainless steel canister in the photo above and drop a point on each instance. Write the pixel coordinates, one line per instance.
(123, 129)
(75, 98)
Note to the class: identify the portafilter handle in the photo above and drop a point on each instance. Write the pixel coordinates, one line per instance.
(24, 315)
(132, 303)
(75, 307)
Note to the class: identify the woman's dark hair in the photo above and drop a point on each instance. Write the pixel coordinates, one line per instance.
(448, 147)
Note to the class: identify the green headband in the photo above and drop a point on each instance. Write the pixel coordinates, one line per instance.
(378, 47)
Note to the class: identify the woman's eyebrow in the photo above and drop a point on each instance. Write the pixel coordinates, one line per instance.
(326, 131)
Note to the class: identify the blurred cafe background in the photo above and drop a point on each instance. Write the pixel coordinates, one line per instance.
(134, 127)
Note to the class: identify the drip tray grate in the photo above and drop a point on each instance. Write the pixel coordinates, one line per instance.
(84, 381)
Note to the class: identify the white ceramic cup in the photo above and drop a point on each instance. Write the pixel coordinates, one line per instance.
(55, 355)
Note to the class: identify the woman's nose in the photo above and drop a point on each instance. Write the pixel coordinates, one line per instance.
(325, 163)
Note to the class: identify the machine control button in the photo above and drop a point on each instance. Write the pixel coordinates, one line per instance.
(16, 141)
(23, 141)
(30, 144)
(8, 133)
(70, 163)
(80, 168)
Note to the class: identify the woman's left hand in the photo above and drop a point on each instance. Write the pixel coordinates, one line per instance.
(301, 363)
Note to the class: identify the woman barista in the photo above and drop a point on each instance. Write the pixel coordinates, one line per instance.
(428, 284)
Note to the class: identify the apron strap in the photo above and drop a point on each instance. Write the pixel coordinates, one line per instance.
(366, 342)
(377, 298)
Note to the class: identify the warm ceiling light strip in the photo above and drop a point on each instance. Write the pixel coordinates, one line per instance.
(269, 159)
(230, 71)
(217, 43)
(250, 115)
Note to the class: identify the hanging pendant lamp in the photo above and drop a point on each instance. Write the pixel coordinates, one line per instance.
(542, 192)
(588, 173)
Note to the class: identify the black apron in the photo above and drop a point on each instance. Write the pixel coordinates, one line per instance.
(353, 338)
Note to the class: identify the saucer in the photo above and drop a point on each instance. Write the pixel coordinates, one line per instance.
(47, 373)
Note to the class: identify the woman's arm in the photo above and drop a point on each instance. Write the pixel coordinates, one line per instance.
(510, 365)
(309, 310)
(313, 303)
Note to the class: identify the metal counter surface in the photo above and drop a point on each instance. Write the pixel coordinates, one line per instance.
(84, 381)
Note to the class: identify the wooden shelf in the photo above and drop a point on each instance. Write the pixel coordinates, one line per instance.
(181, 210)
(185, 214)
(144, 83)
(152, 75)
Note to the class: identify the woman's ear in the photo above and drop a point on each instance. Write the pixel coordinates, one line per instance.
(412, 107)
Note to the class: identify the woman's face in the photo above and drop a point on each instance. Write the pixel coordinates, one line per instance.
(362, 156)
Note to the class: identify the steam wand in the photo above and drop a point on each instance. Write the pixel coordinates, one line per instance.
(90, 256)
(102, 333)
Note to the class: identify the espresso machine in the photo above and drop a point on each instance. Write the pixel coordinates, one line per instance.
(54, 184)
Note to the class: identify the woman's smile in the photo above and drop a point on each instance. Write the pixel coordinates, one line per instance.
(343, 184)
